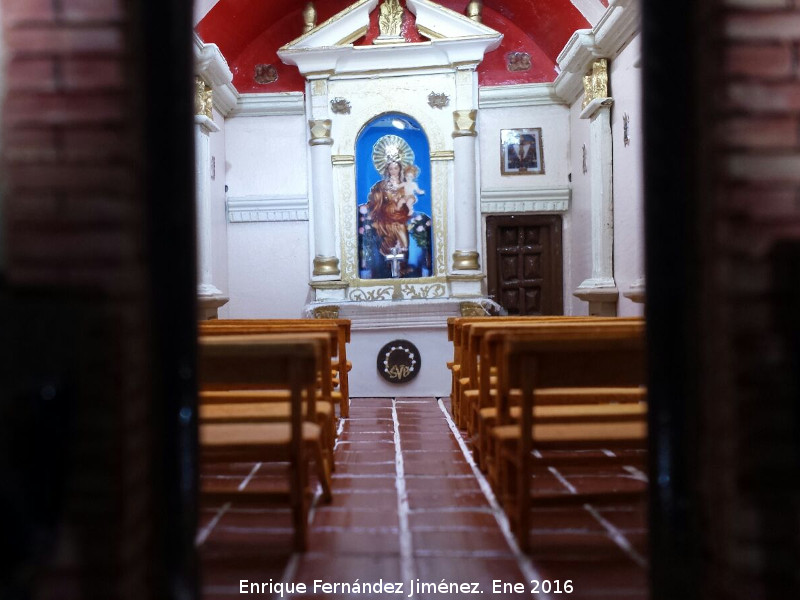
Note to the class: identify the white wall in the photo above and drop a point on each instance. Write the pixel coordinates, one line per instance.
(268, 270)
(554, 120)
(625, 83)
(579, 266)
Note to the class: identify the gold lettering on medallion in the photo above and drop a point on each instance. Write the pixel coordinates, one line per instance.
(399, 371)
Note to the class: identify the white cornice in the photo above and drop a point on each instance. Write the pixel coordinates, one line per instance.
(320, 52)
(615, 28)
(211, 67)
(509, 96)
(270, 105)
(529, 200)
(251, 209)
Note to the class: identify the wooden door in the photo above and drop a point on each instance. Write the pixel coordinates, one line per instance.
(525, 265)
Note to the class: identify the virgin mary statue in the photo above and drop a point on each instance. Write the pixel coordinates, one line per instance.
(394, 238)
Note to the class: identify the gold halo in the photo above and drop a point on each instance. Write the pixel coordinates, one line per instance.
(391, 148)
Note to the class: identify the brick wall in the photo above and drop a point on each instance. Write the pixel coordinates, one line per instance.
(76, 273)
(750, 425)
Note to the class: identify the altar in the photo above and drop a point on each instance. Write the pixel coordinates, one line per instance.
(394, 202)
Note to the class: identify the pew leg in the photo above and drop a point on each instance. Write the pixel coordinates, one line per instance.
(323, 463)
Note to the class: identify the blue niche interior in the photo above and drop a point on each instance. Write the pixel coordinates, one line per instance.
(394, 212)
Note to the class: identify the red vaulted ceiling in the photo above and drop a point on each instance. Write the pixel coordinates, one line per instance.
(249, 32)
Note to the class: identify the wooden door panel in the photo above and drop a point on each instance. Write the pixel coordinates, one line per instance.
(510, 268)
(533, 301)
(525, 272)
(532, 266)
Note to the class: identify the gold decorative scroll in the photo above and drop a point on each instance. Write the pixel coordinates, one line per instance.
(203, 100)
(595, 84)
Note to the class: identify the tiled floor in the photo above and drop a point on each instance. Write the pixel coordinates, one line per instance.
(410, 506)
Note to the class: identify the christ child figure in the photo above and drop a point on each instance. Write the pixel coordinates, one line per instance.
(409, 189)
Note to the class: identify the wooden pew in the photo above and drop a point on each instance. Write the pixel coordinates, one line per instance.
(459, 367)
(491, 401)
(565, 355)
(252, 362)
(339, 329)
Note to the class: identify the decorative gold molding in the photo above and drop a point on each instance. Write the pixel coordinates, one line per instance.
(326, 312)
(465, 277)
(360, 295)
(595, 84)
(472, 309)
(358, 34)
(464, 121)
(357, 283)
(436, 290)
(203, 98)
(320, 132)
(309, 17)
(443, 155)
(429, 33)
(330, 284)
(326, 265)
(343, 159)
(466, 260)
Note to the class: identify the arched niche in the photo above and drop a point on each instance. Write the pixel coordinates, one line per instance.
(393, 195)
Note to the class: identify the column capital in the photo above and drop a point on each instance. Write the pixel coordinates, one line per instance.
(464, 121)
(203, 98)
(595, 83)
(320, 132)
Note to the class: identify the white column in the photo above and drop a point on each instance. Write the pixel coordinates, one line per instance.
(209, 297)
(326, 263)
(203, 126)
(600, 289)
(465, 257)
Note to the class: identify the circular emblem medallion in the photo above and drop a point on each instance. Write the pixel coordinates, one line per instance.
(399, 361)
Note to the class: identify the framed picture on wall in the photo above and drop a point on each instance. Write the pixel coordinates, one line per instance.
(521, 152)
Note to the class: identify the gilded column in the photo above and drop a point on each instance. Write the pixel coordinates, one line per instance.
(600, 290)
(209, 297)
(465, 257)
(326, 263)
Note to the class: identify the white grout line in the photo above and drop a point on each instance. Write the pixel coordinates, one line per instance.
(290, 571)
(406, 549)
(203, 534)
(563, 480)
(250, 475)
(637, 473)
(616, 535)
(523, 560)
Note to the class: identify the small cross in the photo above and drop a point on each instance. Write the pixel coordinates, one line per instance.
(394, 257)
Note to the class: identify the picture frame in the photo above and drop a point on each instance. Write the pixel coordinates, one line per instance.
(521, 151)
